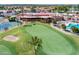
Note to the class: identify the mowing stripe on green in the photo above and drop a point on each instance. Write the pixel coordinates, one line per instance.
(6, 48)
(53, 42)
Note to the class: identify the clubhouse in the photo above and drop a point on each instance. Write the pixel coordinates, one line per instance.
(43, 17)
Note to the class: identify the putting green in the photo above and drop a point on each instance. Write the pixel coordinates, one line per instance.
(53, 41)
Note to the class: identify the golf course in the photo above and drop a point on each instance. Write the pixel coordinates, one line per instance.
(6, 48)
(53, 41)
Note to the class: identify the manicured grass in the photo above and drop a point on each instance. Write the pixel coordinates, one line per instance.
(53, 41)
(76, 41)
(21, 46)
(6, 48)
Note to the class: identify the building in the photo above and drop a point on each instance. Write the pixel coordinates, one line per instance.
(43, 17)
(7, 12)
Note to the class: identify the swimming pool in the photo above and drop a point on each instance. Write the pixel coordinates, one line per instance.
(72, 25)
(8, 25)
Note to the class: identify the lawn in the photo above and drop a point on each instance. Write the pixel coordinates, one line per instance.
(53, 42)
(6, 48)
(21, 46)
(75, 38)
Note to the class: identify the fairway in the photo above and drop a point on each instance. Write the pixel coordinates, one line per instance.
(21, 46)
(4, 50)
(53, 41)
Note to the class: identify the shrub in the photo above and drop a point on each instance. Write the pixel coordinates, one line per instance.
(12, 19)
(54, 21)
(75, 30)
(63, 26)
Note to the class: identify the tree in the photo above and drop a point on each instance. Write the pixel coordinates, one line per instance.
(54, 21)
(61, 8)
(2, 8)
(63, 26)
(75, 30)
(37, 43)
(12, 19)
(33, 10)
(49, 20)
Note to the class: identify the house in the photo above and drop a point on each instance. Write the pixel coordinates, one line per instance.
(7, 12)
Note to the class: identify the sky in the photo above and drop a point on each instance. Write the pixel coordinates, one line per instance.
(39, 1)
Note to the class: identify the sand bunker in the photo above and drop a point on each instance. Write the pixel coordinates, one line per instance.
(11, 38)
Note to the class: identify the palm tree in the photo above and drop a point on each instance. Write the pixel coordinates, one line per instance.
(37, 43)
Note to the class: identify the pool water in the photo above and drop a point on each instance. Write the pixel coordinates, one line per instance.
(8, 25)
(72, 25)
